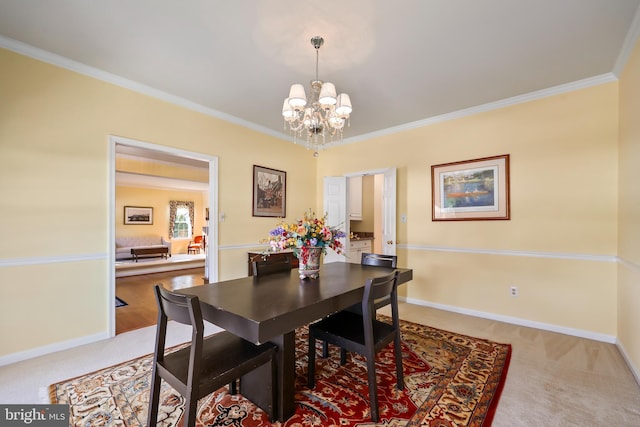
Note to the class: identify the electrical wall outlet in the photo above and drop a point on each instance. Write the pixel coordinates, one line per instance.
(513, 291)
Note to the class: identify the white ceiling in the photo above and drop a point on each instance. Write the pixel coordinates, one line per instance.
(402, 62)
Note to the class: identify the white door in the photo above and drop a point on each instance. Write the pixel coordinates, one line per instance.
(389, 212)
(335, 206)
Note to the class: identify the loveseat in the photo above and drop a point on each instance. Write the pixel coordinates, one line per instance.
(125, 244)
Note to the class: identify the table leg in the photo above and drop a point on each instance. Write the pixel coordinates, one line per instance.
(286, 375)
(252, 385)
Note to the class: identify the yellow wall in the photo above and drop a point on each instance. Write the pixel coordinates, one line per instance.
(563, 205)
(54, 168)
(629, 217)
(159, 201)
(557, 248)
(47, 303)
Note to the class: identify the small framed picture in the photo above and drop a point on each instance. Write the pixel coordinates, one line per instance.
(471, 190)
(138, 215)
(269, 192)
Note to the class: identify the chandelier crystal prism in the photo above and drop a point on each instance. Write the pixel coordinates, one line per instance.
(324, 114)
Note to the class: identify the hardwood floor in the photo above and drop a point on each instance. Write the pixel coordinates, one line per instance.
(137, 292)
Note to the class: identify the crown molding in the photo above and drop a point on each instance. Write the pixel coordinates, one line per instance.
(520, 99)
(54, 59)
(629, 44)
(61, 61)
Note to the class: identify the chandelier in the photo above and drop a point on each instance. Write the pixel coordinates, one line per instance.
(322, 114)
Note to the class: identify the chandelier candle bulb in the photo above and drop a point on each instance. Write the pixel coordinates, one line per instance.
(344, 105)
(287, 111)
(327, 94)
(297, 97)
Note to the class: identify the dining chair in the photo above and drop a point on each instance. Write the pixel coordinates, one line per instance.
(374, 260)
(205, 365)
(270, 266)
(380, 260)
(362, 334)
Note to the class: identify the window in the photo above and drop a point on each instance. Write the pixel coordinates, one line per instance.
(182, 224)
(181, 219)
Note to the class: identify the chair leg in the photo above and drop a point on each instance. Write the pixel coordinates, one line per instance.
(233, 387)
(373, 387)
(154, 399)
(399, 369)
(343, 356)
(311, 361)
(325, 349)
(190, 408)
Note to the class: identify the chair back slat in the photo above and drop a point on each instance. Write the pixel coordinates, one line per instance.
(380, 288)
(270, 266)
(181, 308)
(379, 260)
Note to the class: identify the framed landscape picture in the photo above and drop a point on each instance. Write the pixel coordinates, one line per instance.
(269, 192)
(475, 189)
(138, 215)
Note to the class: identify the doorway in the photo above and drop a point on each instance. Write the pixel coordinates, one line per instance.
(119, 145)
(336, 205)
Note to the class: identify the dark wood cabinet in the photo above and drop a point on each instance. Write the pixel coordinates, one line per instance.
(257, 256)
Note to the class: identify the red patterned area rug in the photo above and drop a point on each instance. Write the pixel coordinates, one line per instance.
(451, 380)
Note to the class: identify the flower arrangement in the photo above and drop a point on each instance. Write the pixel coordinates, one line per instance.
(308, 232)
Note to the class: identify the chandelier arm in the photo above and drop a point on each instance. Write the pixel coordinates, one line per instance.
(296, 127)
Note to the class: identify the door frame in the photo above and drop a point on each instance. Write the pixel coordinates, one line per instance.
(211, 260)
(391, 220)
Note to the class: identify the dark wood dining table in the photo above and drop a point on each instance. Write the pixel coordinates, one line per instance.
(270, 308)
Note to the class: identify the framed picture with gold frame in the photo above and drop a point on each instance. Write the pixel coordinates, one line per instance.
(469, 190)
(269, 192)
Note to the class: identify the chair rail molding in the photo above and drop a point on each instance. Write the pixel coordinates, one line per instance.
(506, 252)
(16, 262)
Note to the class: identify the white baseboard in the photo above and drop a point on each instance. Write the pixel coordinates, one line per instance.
(515, 321)
(47, 349)
(625, 356)
(537, 325)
